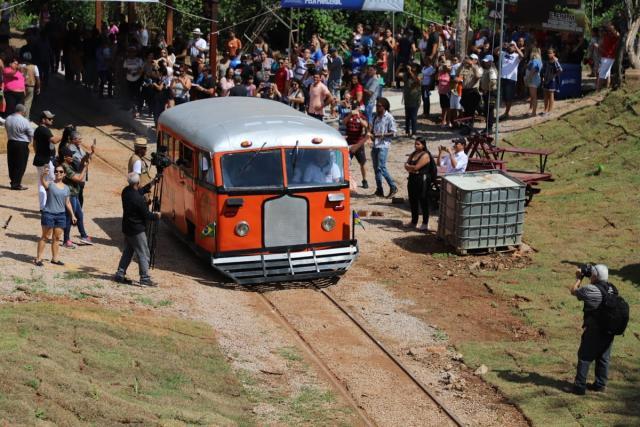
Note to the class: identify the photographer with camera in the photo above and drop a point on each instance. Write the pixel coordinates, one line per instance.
(605, 315)
(138, 164)
(135, 217)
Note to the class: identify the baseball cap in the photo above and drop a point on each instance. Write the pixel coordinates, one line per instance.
(473, 56)
(332, 49)
(488, 58)
(48, 114)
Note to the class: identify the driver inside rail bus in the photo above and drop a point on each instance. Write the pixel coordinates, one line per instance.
(322, 169)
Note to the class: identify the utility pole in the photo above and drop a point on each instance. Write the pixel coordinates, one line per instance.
(213, 36)
(99, 15)
(499, 92)
(169, 27)
(463, 28)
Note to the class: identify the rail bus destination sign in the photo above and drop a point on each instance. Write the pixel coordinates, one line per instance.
(376, 5)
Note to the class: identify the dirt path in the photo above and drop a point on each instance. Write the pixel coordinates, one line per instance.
(404, 286)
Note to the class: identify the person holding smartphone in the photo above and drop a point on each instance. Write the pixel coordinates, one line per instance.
(453, 159)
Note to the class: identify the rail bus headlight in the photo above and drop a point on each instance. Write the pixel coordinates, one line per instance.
(328, 223)
(242, 228)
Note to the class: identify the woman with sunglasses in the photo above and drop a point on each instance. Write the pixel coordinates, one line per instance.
(53, 215)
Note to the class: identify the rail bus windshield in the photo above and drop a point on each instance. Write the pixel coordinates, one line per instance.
(306, 168)
(314, 167)
(255, 169)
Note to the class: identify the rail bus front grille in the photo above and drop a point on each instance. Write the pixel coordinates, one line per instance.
(288, 266)
(286, 221)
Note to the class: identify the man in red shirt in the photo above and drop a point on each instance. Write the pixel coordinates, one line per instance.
(356, 126)
(283, 75)
(608, 50)
(319, 97)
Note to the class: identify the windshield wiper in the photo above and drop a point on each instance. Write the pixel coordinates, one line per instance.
(246, 165)
(294, 161)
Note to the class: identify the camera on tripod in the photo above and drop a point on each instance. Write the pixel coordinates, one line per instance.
(160, 159)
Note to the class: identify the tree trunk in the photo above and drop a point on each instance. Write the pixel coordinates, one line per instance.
(629, 43)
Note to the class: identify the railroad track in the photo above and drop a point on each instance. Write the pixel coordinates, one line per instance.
(308, 347)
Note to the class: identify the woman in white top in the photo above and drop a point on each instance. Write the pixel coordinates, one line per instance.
(427, 79)
(226, 83)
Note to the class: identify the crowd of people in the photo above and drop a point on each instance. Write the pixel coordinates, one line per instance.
(149, 74)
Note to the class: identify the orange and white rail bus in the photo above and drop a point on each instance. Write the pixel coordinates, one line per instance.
(259, 187)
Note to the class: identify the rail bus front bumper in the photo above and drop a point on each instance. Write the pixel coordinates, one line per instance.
(303, 262)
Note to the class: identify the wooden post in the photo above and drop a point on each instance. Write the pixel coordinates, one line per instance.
(99, 14)
(131, 13)
(169, 30)
(213, 36)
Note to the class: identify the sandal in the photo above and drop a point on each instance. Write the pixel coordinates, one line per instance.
(57, 262)
(38, 263)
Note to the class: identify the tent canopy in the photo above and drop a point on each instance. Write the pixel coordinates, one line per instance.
(375, 5)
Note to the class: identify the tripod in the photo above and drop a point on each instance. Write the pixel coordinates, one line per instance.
(152, 227)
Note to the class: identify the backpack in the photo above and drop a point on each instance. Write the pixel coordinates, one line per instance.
(613, 312)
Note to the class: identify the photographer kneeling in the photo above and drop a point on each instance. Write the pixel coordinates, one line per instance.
(596, 340)
(135, 215)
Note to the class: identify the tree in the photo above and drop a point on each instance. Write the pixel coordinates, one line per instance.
(631, 15)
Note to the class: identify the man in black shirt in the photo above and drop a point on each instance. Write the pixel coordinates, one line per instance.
(239, 89)
(45, 151)
(432, 43)
(135, 215)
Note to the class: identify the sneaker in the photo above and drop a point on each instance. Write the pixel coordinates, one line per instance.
(597, 388)
(392, 192)
(86, 241)
(121, 279)
(38, 263)
(69, 244)
(365, 184)
(148, 282)
(57, 262)
(410, 224)
(578, 390)
(423, 227)
(379, 193)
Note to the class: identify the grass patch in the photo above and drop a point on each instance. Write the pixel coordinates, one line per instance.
(290, 353)
(75, 275)
(95, 366)
(581, 217)
(153, 303)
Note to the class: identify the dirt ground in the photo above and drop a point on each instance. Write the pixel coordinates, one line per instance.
(417, 298)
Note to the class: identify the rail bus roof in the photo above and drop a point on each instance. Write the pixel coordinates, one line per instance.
(222, 124)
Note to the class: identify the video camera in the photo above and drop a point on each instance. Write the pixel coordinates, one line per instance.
(160, 159)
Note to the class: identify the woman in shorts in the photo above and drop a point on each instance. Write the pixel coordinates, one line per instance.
(443, 80)
(533, 80)
(551, 80)
(53, 215)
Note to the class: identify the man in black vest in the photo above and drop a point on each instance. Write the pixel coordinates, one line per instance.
(595, 343)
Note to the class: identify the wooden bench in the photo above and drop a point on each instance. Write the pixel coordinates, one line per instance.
(543, 154)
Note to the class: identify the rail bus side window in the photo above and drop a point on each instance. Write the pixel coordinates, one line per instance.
(185, 161)
(205, 168)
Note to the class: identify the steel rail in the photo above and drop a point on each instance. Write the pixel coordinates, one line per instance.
(391, 356)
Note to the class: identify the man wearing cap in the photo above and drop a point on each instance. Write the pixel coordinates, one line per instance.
(454, 160)
(44, 143)
(197, 47)
(470, 74)
(137, 163)
(135, 216)
(488, 86)
(19, 134)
